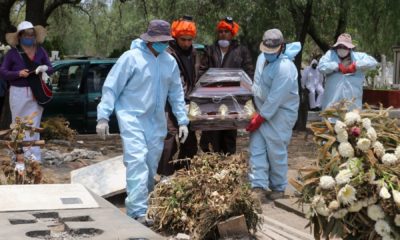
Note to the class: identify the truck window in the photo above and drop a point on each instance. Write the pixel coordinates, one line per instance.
(67, 78)
(97, 74)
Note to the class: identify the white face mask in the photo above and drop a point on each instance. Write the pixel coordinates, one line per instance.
(342, 52)
(223, 43)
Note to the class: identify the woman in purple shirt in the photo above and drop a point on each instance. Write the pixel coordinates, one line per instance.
(26, 40)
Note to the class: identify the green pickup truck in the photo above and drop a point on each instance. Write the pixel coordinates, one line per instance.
(77, 88)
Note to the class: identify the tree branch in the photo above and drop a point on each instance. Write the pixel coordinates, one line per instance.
(145, 11)
(322, 44)
(55, 4)
(342, 21)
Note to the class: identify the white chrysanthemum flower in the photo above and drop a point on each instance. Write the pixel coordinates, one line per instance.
(379, 150)
(318, 201)
(397, 152)
(364, 202)
(371, 134)
(363, 144)
(346, 150)
(340, 127)
(327, 182)
(347, 194)
(375, 212)
(384, 193)
(351, 118)
(372, 200)
(354, 164)
(382, 228)
(343, 176)
(340, 214)
(342, 137)
(366, 123)
(397, 220)
(333, 205)
(355, 207)
(387, 237)
(323, 211)
(396, 197)
(371, 175)
(389, 159)
(310, 213)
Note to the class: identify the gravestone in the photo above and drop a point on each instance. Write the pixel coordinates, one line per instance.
(106, 178)
(104, 222)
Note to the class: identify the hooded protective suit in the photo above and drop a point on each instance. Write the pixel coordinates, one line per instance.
(276, 97)
(340, 86)
(312, 79)
(137, 87)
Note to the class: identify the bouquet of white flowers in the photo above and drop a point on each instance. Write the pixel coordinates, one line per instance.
(4, 48)
(354, 189)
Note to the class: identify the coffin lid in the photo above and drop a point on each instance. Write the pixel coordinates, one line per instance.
(222, 82)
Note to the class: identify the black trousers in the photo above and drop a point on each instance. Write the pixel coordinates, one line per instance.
(222, 141)
(186, 150)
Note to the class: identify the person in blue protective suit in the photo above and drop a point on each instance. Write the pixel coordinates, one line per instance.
(344, 69)
(276, 98)
(137, 88)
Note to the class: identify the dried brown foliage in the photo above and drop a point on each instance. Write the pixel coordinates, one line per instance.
(57, 128)
(195, 201)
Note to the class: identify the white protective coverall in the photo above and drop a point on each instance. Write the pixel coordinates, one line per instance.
(339, 86)
(277, 100)
(313, 81)
(137, 88)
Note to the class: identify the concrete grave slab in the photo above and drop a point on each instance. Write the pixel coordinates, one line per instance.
(106, 178)
(45, 196)
(104, 223)
(290, 205)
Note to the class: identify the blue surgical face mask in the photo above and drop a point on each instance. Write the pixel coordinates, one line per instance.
(271, 57)
(159, 47)
(27, 41)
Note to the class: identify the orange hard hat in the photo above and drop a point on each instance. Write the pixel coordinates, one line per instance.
(229, 24)
(183, 27)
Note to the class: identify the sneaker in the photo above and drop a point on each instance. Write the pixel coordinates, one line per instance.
(145, 221)
(274, 195)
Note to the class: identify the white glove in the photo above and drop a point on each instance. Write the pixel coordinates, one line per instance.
(41, 68)
(45, 77)
(102, 128)
(187, 108)
(183, 133)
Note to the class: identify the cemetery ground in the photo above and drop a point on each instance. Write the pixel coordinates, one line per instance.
(280, 217)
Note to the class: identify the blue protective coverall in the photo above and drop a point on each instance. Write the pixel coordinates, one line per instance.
(137, 88)
(341, 86)
(276, 97)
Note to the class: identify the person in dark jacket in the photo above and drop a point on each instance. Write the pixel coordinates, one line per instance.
(181, 48)
(225, 53)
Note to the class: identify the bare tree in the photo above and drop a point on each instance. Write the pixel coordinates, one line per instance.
(37, 12)
(301, 14)
(5, 9)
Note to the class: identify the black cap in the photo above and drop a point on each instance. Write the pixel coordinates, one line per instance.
(228, 19)
(187, 17)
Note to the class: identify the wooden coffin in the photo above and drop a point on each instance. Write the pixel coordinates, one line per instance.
(221, 100)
